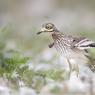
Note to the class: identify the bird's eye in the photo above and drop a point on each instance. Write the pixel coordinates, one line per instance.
(48, 27)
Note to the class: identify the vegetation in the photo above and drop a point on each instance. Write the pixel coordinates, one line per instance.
(16, 68)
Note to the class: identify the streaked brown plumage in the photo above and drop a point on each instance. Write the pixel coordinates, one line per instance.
(67, 45)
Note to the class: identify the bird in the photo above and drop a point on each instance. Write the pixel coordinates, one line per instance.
(69, 46)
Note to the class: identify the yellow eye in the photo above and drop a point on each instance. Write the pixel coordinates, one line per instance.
(48, 27)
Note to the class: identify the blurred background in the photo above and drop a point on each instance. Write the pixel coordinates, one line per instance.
(27, 65)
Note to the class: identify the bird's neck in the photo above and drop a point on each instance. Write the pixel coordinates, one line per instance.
(57, 35)
(56, 30)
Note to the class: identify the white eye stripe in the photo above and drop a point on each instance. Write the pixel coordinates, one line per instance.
(43, 29)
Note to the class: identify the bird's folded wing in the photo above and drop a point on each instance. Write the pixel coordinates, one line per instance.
(84, 43)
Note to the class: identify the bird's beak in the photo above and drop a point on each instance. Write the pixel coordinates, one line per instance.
(42, 30)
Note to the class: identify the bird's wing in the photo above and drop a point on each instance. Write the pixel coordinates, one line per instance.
(83, 43)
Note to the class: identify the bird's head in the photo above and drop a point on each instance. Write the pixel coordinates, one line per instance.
(48, 27)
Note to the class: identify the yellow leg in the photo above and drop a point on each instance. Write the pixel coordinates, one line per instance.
(75, 67)
(77, 70)
(70, 67)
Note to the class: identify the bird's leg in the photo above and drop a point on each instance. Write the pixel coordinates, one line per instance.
(51, 45)
(76, 68)
(70, 66)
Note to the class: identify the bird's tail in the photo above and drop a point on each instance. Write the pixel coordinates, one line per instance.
(91, 63)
